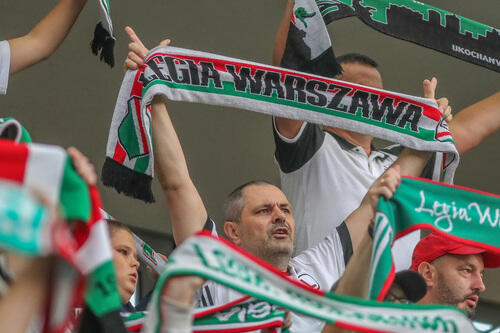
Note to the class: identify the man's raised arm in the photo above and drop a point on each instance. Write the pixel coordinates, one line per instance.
(475, 123)
(186, 208)
(289, 128)
(45, 37)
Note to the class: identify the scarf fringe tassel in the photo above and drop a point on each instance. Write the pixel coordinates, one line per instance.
(104, 43)
(130, 182)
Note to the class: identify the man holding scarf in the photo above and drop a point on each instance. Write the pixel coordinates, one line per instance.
(325, 172)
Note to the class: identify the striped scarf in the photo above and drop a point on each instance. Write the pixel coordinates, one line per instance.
(193, 76)
(48, 170)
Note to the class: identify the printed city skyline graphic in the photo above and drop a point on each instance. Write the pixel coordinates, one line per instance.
(425, 25)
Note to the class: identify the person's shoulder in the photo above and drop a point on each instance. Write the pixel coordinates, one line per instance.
(393, 150)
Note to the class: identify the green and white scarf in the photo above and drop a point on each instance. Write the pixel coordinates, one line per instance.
(220, 261)
(48, 170)
(193, 76)
(467, 215)
(243, 315)
(104, 41)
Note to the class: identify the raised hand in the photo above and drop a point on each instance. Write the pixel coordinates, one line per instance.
(137, 51)
(83, 166)
(385, 186)
(430, 92)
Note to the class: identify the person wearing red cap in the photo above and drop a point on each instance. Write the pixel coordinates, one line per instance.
(452, 270)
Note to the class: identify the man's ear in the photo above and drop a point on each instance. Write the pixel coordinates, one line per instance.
(232, 231)
(428, 272)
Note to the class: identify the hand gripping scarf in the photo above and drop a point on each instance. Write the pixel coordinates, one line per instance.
(193, 76)
(466, 215)
(104, 41)
(218, 260)
(425, 25)
(86, 247)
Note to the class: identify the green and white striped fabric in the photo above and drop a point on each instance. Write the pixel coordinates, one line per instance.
(220, 261)
(466, 215)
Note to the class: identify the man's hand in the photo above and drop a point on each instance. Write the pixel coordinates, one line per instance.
(385, 186)
(83, 166)
(137, 51)
(430, 92)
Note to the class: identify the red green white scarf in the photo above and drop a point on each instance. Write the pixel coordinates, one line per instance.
(243, 315)
(220, 261)
(467, 215)
(48, 169)
(193, 76)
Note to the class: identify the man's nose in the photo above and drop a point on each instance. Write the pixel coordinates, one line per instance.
(478, 283)
(279, 215)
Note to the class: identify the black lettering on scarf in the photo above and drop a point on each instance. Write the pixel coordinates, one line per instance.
(337, 98)
(360, 100)
(411, 115)
(272, 81)
(294, 86)
(392, 115)
(380, 109)
(313, 86)
(172, 70)
(241, 81)
(158, 74)
(193, 73)
(208, 72)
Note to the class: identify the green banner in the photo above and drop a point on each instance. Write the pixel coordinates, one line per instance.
(470, 216)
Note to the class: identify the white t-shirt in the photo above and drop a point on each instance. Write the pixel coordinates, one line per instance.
(319, 267)
(325, 178)
(4, 66)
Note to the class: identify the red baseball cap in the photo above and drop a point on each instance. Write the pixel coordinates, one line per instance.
(436, 245)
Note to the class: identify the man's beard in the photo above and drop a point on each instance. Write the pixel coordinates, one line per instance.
(276, 252)
(451, 296)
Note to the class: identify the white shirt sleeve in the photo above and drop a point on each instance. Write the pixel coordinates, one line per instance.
(322, 265)
(4, 66)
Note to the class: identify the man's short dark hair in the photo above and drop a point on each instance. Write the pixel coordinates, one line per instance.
(357, 58)
(236, 201)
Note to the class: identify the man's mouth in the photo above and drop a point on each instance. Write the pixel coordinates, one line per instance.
(471, 301)
(280, 232)
(133, 277)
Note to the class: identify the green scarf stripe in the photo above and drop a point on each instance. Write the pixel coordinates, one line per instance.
(423, 134)
(75, 199)
(102, 294)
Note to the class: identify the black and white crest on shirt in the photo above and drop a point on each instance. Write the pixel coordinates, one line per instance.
(309, 280)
